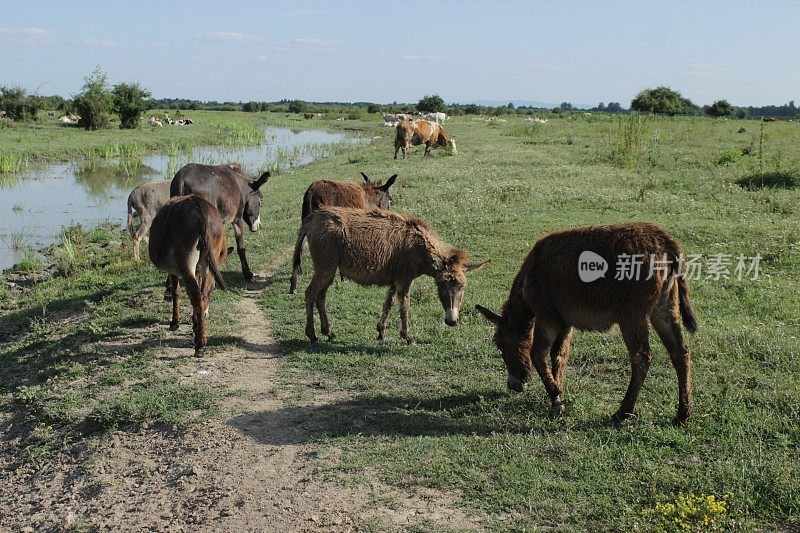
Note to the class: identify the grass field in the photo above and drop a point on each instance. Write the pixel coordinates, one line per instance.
(437, 413)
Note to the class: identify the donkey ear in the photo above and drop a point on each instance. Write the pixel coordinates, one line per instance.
(366, 178)
(476, 265)
(491, 316)
(389, 183)
(260, 181)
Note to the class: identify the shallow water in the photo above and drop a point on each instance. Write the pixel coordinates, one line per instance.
(38, 203)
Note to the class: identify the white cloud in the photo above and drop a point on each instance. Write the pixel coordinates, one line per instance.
(98, 43)
(230, 37)
(26, 35)
(261, 58)
(315, 45)
(429, 57)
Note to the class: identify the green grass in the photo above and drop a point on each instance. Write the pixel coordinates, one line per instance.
(437, 414)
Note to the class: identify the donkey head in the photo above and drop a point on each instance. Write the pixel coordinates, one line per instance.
(451, 279)
(514, 344)
(382, 199)
(252, 203)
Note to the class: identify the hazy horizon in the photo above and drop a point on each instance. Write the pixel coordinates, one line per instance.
(577, 52)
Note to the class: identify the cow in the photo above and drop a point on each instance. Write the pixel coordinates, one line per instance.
(437, 117)
(421, 132)
(383, 248)
(187, 240)
(146, 199)
(237, 198)
(321, 193)
(562, 284)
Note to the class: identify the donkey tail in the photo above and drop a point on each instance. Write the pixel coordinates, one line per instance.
(685, 304)
(130, 217)
(205, 250)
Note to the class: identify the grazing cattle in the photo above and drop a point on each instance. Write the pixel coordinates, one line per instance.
(437, 117)
(382, 248)
(236, 197)
(66, 120)
(421, 132)
(322, 193)
(146, 199)
(187, 240)
(155, 122)
(562, 284)
(308, 116)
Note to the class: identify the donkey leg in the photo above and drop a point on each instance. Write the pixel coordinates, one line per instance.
(173, 288)
(635, 336)
(318, 281)
(198, 315)
(238, 231)
(544, 335)
(324, 322)
(559, 355)
(669, 331)
(139, 234)
(404, 295)
(387, 306)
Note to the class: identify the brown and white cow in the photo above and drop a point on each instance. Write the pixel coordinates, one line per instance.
(419, 132)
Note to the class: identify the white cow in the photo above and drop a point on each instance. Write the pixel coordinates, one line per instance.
(438, 117)
(155, 122)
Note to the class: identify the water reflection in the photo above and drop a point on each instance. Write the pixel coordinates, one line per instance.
(38, 203)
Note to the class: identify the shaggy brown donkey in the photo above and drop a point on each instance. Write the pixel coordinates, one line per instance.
(548, 298)
(367, 195)
(187, 240)
(380, 248)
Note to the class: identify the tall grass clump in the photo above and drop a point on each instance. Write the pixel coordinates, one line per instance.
(12, 163)
(629, 142)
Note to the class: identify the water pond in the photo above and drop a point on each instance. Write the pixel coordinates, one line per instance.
(36, 204)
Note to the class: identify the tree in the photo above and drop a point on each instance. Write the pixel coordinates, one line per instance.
(614, 107)
(472, 109)
(566, 106)
(720, 108)
(129, 103)
(17, 104)
(430, 104)
(297, 106)
(95, 101)
(373, 108)
(663, 100)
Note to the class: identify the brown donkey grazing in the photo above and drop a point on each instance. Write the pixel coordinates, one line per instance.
(146, 199)
(380, 248)
(562, 284)
(321, 193)
(236, 197)
(187, 240)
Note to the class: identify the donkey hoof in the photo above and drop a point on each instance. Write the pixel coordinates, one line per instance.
(167, 296)
(621, 416)
(330, 335)
(173, 326)
(199, 352)
(314, 342)
(410, 340)
(248, 276)
(557, 410)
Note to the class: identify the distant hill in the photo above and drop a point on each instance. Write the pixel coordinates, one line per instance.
(527, 103)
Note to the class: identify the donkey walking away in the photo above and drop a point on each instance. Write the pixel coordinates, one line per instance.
(236, 197)
(187, 240)
(321, 193)
(548, 298)
(380, 248)
(146, 199)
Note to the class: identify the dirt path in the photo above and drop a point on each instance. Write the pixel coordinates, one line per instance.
(253, 468)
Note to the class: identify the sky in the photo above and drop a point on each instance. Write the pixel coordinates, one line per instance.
(582, 52)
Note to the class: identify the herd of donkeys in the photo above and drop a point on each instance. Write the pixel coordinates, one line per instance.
(349, 228)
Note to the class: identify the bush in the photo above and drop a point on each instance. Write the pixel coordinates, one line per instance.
(663, 100)
(720, 108)
(373, 108)
(430, 104)
(95, 102)
(297, 106)
(129, 103)
(17, 104)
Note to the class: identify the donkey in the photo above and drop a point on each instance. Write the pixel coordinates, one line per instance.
(187, 240)
(236, 197)
(146, 199)
(562, 284)
(380, 248)
(370, 194)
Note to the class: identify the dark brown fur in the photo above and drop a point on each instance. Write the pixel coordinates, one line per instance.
(236, 197)
(321, 193)
(187, 240)
(548, 298)
(380, 248)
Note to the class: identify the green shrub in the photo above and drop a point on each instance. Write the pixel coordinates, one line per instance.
(129, 103)
(95, 102)
(17, 104)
